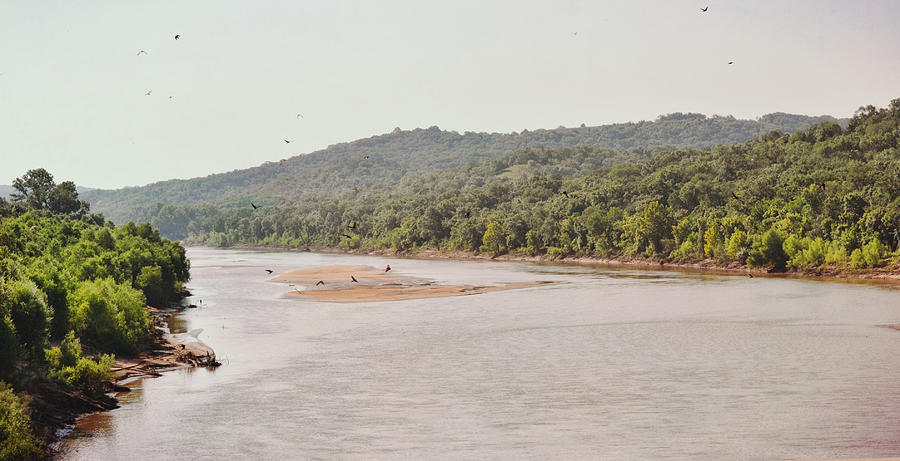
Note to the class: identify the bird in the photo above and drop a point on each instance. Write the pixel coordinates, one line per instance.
(388, 268)
(142, 51)
(269, 270)
(320, 282)
(299, 115)
(171, 98)
(750, 275)
(353, 279)
(286, 141)
(704, 9)
(177, 36)
(352, 225)
(254, 206)
(822, 186)
(347, 236)
(565, 193)
(730, 62)
(148, 93)
(467, 214)
(735, 196)
(366, 157)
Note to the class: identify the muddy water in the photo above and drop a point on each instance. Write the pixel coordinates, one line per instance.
(606, 364)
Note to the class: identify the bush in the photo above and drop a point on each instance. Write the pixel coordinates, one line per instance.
(109, 315)
(28, 310)
(870, 255)
(68, 367)
(150, 282)
(767, 250)
(17, 440)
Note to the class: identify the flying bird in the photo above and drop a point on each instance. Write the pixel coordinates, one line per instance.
(299, 115)
(735, 196)
(730, 62)
(704, 9)
(286, 141)
(140, 52)
(177, 36)
(352, 225)
(467, 214)
(353, 279)
(253, 205)
(269, 270)
(366, 157)
(750, 275)
(171, 98)
(388, 268)
(148, 93)
(565, 193)
(320, 282)
(346, 236)
(822, 186)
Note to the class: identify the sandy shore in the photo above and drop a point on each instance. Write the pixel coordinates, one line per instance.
(374, 284)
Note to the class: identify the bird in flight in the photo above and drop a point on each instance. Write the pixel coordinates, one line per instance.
(730, 62)
(171, 98)
(269, 270)
(822, 186)
(352, 225)
(148, 93)
(565, 193)
(320, 282)
(467, 214)
(366, 157)
(735, 196)
(353, 279)
(177, 36)
(704, 9)
(141, 52)
(750, 275)
(388, 268)
(347, 236)
(299, 115)
(253, 205)
(286, 141)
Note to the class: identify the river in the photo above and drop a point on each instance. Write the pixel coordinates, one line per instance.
(608, 363)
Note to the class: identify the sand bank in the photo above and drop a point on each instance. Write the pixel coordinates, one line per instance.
(375, 284)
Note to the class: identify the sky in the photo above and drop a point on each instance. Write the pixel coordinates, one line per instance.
(225, 96)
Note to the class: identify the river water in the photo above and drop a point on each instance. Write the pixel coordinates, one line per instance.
(606, 364)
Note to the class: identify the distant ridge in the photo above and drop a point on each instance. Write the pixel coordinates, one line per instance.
(394, 155)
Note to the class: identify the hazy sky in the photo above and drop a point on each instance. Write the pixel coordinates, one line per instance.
(72, 89)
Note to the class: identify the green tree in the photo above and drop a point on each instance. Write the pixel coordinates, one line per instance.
(17, 439)
(494, 239)
(34, 187)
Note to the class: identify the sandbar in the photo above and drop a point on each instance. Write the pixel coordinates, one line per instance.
(376, 285)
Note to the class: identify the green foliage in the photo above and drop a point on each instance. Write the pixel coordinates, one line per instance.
(17, 439)
(69, 368)
(870, 255)
(26, 307)
(768, 251)
(494, 239)
(180, 208)
(109, 315)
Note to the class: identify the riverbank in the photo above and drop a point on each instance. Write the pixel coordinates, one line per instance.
(57, 411)
(890, 273)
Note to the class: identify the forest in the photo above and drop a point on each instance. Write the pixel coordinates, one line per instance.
(73, 291)
(391, 157)
(819, 197)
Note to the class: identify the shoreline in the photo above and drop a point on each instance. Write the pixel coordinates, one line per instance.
(160, 352)
(706, 266)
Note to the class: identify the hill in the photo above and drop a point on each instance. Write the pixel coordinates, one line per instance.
(824, 198)
(395, 155)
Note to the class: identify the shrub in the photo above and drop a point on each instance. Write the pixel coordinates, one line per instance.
(110, 315)
(767, 250)
(17, 440)
(870, 255)
(68, 367)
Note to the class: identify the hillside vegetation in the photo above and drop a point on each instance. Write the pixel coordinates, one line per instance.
(395, 155)
(73, 291)
(824, 196)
